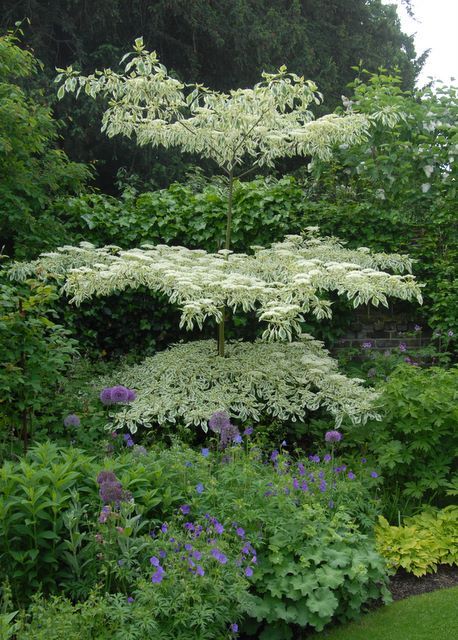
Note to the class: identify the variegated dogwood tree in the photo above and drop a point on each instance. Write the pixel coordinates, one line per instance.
(286, 372)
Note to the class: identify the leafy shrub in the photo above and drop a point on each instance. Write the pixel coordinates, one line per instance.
(35, 353)
(415, 444)
(32, 169)
(423, 542)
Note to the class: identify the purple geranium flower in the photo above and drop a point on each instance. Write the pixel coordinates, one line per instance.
(205, 452)
(199, 571)
(248, 572)
(128, 440)
(72, 420)
(333, 436)
(185, 509)
(158, 575)
(248, 431)
(374, 474)
(234, 627)
(200, 488)
(351, 475)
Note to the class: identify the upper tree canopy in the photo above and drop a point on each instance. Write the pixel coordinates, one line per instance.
(225, 44)
(257, 125)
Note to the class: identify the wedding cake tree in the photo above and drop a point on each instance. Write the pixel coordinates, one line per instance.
(287, 372)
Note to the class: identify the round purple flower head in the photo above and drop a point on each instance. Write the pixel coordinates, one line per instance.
(402, 346)
(72, 420)
(119, 394)
(131, 395)
(333, 436)
(366, 345)
(218, 421)
(112, 492)
(105, 396)
(106, 476)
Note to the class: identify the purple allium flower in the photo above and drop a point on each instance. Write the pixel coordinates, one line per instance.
(218, 421)
(333, 436)
(72, 420)
(402, 346)
(185, 509)
(248, 431)
(248, 572)
(105, 396)
(199, 571)
(131, 395)
(327, 457)
(366, 345)
(351, 475)
(112, 492)
(106, 476)
(130, 599)
(119, 394)
(234, 627)
(238, 439)
(417, 327)
(205, 452)
(200, 488)
(374, 474)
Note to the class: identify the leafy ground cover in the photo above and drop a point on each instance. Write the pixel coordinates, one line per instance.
(432, 615)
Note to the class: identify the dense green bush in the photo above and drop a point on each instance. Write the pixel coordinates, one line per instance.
(33, 170)
(35, 354)
(415, 444)
(422, 543)
(289, 518)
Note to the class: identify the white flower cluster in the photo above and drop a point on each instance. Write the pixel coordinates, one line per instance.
(189, 382)
(280, 283)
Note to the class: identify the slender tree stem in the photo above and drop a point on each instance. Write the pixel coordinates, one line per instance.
(227, 245)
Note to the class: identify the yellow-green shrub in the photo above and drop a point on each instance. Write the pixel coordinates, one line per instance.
(426, 540)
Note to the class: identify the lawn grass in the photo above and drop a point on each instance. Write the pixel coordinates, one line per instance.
(430, 616)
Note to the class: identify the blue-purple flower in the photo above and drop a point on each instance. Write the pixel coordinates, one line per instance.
(205, 452)
(200, 488)
(185, 509)
(374, 474)
(72, 420)
(366, 345)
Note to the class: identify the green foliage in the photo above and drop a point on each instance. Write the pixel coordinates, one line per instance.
(32, 169)
(416, 443)
(403, 178)
(423, 542)
(35, 353)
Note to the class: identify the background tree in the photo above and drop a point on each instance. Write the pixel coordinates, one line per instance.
(33, 170)
(226, 44)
